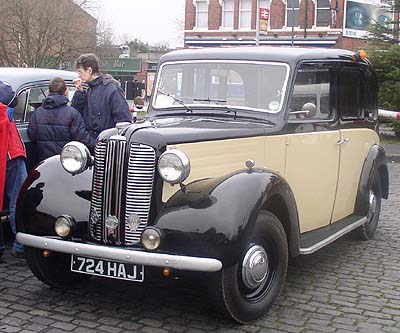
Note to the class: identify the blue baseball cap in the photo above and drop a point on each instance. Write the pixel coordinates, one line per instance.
(7, 95)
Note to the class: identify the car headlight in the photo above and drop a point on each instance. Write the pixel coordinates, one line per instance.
(174, 166)
(75, 157)
(151, 238)
(64, 226)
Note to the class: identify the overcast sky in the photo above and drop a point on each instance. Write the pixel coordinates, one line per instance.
(152, 21)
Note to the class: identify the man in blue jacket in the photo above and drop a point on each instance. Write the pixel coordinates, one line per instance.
(55, 123)
(103, 105)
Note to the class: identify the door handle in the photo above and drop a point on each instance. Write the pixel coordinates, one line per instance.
(342, 141)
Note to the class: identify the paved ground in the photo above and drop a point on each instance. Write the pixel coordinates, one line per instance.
(349, 286)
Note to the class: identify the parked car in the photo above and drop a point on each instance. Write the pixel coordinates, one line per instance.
(228, 185)
(31, 85)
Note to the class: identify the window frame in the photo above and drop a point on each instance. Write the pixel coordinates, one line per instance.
(316, 24)
(295, 9)
(201, 11)
(223, 17)
(247, 10)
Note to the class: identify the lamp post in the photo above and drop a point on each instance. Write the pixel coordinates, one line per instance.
(292, 41)
(257, 23)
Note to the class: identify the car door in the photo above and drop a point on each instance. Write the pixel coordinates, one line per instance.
(312, 152)
(356, 102)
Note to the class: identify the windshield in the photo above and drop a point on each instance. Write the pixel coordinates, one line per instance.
(235, 84)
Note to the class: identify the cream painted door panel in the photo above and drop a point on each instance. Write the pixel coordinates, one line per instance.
(312, 163)
(354, 147)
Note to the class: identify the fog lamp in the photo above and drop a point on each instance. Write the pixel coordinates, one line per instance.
(64, 226)
(151, 238)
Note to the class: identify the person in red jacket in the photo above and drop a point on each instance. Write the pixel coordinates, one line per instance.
(15, 161)
(4, 130)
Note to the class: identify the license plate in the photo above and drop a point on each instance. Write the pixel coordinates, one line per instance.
(107, 268)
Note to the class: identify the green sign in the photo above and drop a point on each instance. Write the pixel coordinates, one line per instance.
(121, 65)
(113, 65)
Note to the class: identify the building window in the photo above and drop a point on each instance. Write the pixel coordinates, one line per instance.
(227, 13)
(323, 13)
(263, 3)
(202, 14)
(292, 13)
(245, 14)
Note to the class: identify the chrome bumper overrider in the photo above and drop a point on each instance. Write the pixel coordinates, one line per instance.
(122, 255)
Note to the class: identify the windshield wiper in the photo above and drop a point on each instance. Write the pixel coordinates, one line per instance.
(209, 100)
(176, 99)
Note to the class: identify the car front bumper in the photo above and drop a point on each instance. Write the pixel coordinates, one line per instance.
(122, 255)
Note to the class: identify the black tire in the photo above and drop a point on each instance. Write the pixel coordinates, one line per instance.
(53, 270)
(247, 299)
(367, 230)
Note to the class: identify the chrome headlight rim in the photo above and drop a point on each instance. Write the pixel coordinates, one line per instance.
(64, 226)
(185, 163)
(145, 238)
(84, 154)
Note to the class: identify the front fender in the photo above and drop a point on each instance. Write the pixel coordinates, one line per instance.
(215, 217)
(375, 163)
(50, 191)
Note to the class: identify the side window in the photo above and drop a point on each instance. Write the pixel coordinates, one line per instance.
(370, 98)
(35, 99)
(311, 97)
(350, 85)
(20, 108)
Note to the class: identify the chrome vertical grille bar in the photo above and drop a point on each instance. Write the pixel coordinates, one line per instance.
(140, 176)
(118, 184)
(96, 214)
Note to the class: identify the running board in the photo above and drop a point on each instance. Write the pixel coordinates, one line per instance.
(315, 240)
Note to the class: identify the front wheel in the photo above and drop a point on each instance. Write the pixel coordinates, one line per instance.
(53, 270)
(249, 288)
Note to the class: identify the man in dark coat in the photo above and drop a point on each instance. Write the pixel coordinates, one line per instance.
(55, 123)
(103, 105)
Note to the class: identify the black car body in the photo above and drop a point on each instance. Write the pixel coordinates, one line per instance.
(248, 155)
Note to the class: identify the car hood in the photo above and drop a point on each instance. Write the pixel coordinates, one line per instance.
(173, 130)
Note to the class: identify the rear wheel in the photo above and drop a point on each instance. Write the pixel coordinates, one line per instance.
(249, 288)
(367, 230)
(53, 270)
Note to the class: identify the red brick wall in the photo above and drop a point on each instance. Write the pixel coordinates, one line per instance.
(190, 15)
(277, 14)
(214, 15)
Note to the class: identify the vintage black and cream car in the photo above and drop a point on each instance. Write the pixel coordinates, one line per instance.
(247, 156)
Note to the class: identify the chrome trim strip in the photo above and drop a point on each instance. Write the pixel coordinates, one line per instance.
(333, 237)
(123, 255)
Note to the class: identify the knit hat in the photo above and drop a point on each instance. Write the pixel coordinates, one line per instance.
(7, 95)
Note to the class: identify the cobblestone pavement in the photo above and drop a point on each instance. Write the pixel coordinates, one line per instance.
(349, 286)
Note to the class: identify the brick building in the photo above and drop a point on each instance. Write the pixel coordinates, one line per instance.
(291, 22)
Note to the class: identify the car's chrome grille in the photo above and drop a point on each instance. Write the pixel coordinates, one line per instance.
(112, 197)
(141, 164)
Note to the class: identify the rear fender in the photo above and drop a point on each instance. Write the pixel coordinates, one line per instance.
(375, 163)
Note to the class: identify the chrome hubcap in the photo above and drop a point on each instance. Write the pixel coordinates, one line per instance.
(255, 267)
(372, 204)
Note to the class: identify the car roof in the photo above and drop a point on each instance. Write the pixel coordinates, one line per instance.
(18, 77)
(290, 55)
